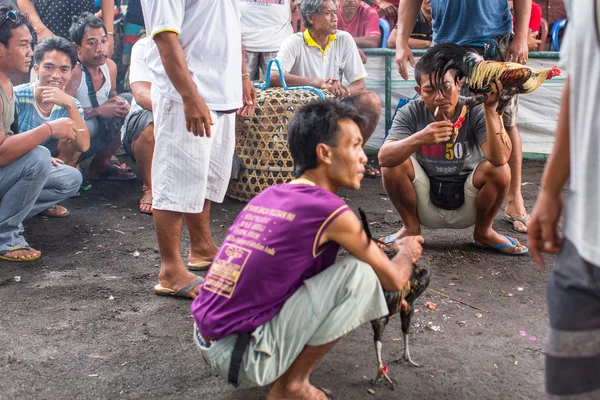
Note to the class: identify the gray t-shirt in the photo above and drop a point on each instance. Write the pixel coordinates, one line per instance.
(581, 62)
(445, 161)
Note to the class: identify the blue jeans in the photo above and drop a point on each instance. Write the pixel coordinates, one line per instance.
(28, 186)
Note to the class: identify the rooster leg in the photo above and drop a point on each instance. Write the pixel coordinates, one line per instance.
(378, 327)
(405, 317)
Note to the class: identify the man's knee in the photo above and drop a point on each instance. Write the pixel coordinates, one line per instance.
(359, 275)
(38, 161)
(369, 102)
(499, 176)
(147, 134)
(402, 171)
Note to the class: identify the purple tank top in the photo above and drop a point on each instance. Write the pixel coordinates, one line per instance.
(271, 248)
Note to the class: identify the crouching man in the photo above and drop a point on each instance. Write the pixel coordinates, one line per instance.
(275, 300)
(440, 183)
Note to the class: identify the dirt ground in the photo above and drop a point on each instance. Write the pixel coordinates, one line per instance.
(82, 322)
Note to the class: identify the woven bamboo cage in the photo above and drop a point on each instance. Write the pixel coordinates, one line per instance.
(261, 140)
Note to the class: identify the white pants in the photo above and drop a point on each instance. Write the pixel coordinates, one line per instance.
(188, 169)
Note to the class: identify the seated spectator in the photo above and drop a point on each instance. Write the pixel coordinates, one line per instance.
(362, 22)
(535, 21)
(421, 36)
(387, 9)
(31, 182)
(94, 84)
(45, 100)
(321, 56)
(289, 299)
(265, 25)
(441, 183)
(138, 129)
(552, 10)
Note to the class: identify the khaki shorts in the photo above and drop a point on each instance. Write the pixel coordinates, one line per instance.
(438, 218)
(325, 308)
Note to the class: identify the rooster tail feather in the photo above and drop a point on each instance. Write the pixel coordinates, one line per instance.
(446, 57)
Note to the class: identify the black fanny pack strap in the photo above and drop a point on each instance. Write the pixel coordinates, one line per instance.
(239, 349)
(90, 87)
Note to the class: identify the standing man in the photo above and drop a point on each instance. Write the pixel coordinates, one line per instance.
(199, 80)
(486, 26)
(572, 344)
(265, 25)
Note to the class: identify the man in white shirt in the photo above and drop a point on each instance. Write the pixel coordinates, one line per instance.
(137, 134)
(322, 57)
(265, 25)
(573, 340)
(199, 80)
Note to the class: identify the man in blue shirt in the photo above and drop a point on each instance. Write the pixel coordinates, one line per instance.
(486, 26)
(45, 100)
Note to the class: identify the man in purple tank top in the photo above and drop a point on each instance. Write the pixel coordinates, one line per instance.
(275, 300)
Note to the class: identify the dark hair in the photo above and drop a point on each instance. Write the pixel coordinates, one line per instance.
(433, 61)
(314, 123)
(81, 23)
(8, 25)
(55, 43)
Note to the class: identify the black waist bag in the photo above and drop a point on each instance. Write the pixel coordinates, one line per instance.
(447, 195)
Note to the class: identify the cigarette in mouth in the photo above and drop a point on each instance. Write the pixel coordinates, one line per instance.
(436, 111)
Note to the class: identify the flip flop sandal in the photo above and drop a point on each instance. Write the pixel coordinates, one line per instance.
(114, 174)
(387, 241)
(522, 219)
(45, 213)
(370, 172)
(14, 259)
(327, 392)
(501, 248)
(183, 292)
(199, 265)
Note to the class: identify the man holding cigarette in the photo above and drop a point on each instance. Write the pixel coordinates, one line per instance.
(441, 175)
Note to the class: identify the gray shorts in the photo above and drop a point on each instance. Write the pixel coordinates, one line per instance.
(438, 218)
(257, 61)
(323, 309)
(134, 124)
(573, 340)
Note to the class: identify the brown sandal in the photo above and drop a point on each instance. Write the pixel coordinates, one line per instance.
(146, 199)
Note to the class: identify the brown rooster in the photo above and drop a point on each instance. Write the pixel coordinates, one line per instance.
(479, 76)
(414, 288)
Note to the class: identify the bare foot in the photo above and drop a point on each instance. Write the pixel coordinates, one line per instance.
(206, 255)
(22, 255)
(178, 280)
(308, 392)
(516, 211)
(146, 201)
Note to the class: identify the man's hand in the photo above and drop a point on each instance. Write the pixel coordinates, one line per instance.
(115, 107)
(56, 161)
(493, 95)
(436, 132)
(336, 87)
(403, 55)
(542, 229)
(387, 10)
(532, 41)
(64, 128)
(54, 95)
(249, 96)
(363, 56)
(518, 51)
(197, 116)
(413, 243)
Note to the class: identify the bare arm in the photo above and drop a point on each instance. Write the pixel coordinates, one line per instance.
(395, 152)
(296, 80)
(356, 88)
(367, 41)
(418, 43)
(408, 11)
(27, 7)
(141, 94)
(15, 146)
(494, 149)
(518, 50)
(82, 140)
(108, 17)
(347, 231)
(112, 69)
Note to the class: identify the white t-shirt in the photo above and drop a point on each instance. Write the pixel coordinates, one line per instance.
(138, 69)
(265, 24)
(209, 33)
(300, 55)
(580, 55)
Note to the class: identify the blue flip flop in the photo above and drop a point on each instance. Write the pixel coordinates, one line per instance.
(389, 239)
(500, 247)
